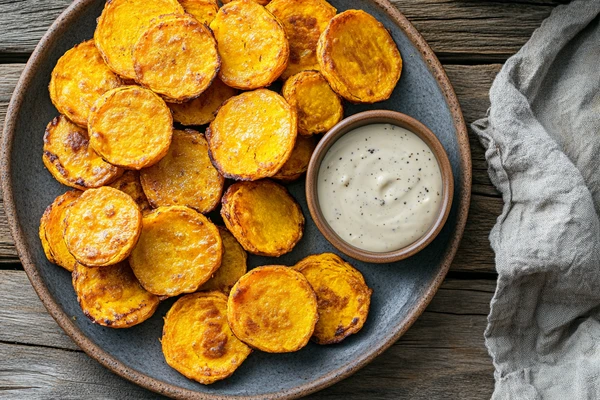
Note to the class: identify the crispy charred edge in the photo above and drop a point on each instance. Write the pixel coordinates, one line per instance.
(42, 234)
(251, 177)
(190, 131)
(327, 64)
(359, 284)
(213, 294)
(101, 102)
(161, 21)
(230, 217)
(236, 292)
(290, 88)
(281, 67)
(119, 322)
(119, 256)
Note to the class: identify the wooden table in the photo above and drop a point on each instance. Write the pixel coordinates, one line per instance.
(442, 355)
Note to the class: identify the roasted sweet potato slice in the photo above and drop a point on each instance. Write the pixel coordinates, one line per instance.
(203, 109)
(197, 340)
(185, 176)
(121, 24)
(111, 296)
(70, 159)
(273, 309)
(79, 78)
(359, 58)
(319, 108)
(303, 22)
(342, 295)
(252, 43)
(297, 164)
(102, 226)
(52, 229)
(253, 135)
(176, 57)
(179, 249)
(233, 264)
(129, 183)
(130, 127)
(261, 2)
(204, 11)
(263, 217)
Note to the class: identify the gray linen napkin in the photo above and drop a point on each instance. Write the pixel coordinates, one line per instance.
(542, 141)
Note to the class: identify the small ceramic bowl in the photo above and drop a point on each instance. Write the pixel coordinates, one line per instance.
(379, 117)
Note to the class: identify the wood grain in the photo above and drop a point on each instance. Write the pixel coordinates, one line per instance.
(456, 30)
(449, 336)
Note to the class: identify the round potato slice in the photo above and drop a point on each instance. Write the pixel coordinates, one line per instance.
(70, 159)
(204, 11)
(102, 227)
(197, 340)
(319, 108)
(233, 264)
(203, 109)
(342, 295)
(79, 78)
(111, 296)
(52, 227)
(129, 183)
(261, 2)
(121, 24)
(176, 57)
(185, 176)
(179, 249)
(130, 127)
(297, 164)
(359, 58)
(273, 309)
(252, 43)
(303, 22)
(252, 136)
(263, 217)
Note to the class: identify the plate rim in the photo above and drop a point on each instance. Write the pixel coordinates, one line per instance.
(161, 387)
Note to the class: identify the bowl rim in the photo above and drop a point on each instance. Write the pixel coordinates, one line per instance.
(347, 125)
(70, 15)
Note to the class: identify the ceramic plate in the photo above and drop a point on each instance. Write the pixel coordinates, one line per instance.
(400, 291)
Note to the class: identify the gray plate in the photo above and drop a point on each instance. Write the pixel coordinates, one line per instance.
(400, 291)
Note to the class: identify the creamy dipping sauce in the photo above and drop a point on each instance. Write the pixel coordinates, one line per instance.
(380, 187)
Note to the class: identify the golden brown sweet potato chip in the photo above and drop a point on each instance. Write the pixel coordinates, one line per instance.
(263, 217)
(273, 309)
(179, 249)
(176, 57)
(52, 227)
(252, 43)
(261, 2)
(318, 107)
(121, 24)
(204, 11)
(130, 127)
(297, 164)
(71, 160)
(130, 183)
(185, 176)
(79, 78)
(111, 296)
(203, 109)
(102, 226)
(197, 340)
(342, 294)
(233, 264)
(252, 136)
(303, 21)
(359, 58)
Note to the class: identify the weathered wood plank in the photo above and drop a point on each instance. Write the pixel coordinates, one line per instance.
(471, 84)
(456, 30)
(441, 356)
